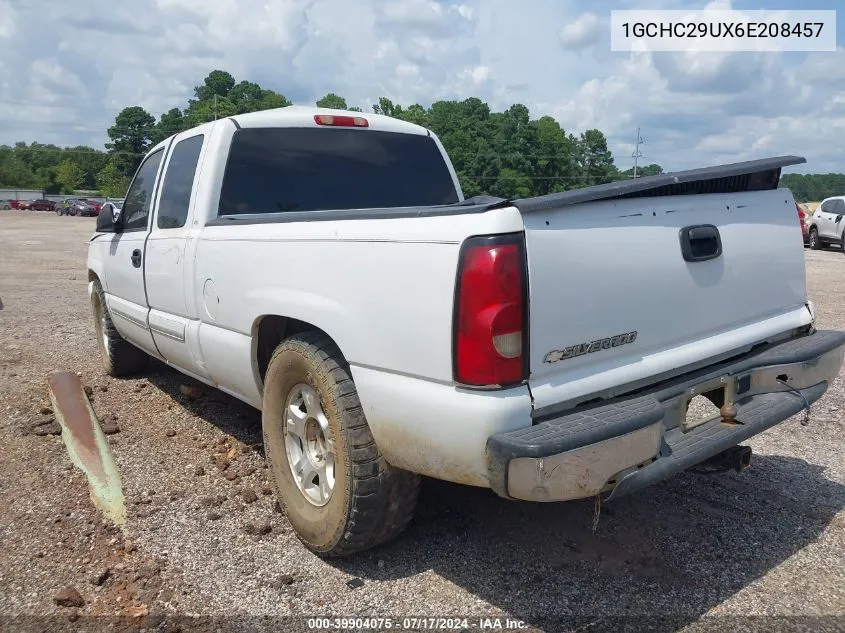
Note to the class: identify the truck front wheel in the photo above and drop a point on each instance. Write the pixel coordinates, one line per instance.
(119, 357)
(336, 489)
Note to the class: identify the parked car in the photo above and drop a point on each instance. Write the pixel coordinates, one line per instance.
(826, 226)
(802, 221)
(42, 205)
(76, 206)
(325, 268)
(95, 204)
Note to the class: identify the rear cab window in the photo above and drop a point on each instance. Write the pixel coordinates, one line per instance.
(178, 183)
(272, 170)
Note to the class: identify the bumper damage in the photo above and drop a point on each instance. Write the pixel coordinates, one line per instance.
(629, 443)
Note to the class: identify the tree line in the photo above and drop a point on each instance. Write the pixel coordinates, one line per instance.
(505, 154)
(814, 187)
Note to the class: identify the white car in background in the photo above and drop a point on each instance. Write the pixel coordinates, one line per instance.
(826, 225)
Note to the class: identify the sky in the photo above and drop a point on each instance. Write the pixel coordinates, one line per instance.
(67, 68)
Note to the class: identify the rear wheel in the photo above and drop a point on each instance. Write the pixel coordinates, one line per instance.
(119, 357)
(815, 242)
(336, 489)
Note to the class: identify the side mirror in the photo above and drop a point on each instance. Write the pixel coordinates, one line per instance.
(109, 221)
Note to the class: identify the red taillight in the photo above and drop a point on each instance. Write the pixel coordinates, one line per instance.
(340, 120)
(490, 318)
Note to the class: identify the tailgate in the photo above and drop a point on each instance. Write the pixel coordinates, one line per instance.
(614, 301)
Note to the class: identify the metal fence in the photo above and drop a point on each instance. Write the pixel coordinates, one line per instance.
(21, 194)
(36, 194)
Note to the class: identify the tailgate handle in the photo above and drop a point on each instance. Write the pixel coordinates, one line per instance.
(700, 242)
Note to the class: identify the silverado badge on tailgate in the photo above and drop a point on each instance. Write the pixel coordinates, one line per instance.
(590, 347)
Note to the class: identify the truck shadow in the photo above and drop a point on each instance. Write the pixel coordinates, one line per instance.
(667, 554)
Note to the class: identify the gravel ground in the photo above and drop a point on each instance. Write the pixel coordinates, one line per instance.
(205, 538)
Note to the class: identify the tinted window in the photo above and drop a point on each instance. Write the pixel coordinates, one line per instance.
(308, 169)
(178, 181)
(140, 195)
(838, 207)
(825, 208)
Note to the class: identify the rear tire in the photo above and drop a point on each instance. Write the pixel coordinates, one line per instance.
(119, 357)
(369, 502)
(815, 241)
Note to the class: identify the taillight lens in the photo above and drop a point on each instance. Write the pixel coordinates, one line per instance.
(490, 317)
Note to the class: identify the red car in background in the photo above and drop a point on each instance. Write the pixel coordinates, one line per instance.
(96, 204)
(802, 217)
(18, 204)
(41, 205)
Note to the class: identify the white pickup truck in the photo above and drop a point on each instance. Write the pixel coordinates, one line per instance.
(324, 267)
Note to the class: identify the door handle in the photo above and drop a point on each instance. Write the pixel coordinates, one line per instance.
(136, 258)
(700, 242)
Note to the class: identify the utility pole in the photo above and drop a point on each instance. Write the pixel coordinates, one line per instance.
(637, 155)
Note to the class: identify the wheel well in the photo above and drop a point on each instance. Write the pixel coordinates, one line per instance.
(92, 276)
(271, 330)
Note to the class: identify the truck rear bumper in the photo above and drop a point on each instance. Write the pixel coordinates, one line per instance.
(632, 442)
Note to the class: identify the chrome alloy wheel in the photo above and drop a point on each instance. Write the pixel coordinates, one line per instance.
(100, 323)
(309, 446)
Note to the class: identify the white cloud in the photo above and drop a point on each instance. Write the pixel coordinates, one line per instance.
(551, 55)
(584, 31)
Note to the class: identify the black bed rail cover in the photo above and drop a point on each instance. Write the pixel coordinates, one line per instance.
(752, 175)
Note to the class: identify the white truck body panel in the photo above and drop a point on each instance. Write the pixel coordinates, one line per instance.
(382, 286)
(606, 268)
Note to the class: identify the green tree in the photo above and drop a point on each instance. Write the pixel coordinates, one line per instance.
(171, 122)
(556, 165)
(247, 96)
(131, 136)
(385, 106)
(111, 181)
(814, 187)
(652, 169)
(271, 100)
(595, 159)
(14, 172)
(218, 82)
(70, 176)
(332, 101)
(90, 160)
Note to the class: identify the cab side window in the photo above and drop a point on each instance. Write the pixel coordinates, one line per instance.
(139, 198)
(178, 182)
(826, 206)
